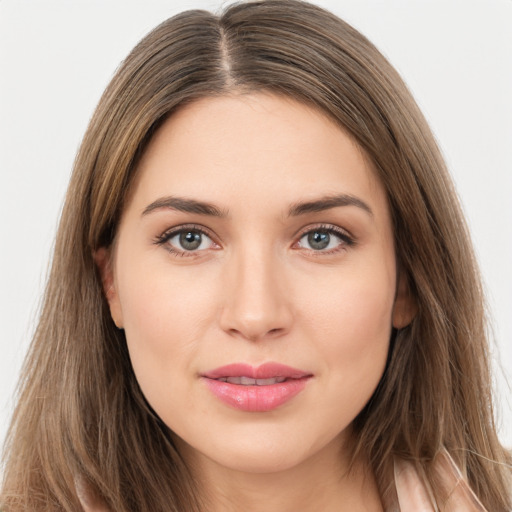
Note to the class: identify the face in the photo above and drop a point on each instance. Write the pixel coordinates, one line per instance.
(254, 275)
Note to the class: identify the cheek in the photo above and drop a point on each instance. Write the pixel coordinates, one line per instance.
(164, 314)
(355, 306)
(351, 326)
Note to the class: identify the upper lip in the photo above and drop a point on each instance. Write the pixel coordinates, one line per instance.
(264, 371)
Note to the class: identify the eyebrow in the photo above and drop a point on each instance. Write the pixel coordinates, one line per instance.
(184, 204)
(187, 205)
(326, 203)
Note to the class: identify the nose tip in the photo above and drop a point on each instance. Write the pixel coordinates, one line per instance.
(257, 306)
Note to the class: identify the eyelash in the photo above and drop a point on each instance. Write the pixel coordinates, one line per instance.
(346, 239)
(164, 238)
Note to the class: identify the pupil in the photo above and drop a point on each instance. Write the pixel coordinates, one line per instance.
(190, 240)
(319, 239)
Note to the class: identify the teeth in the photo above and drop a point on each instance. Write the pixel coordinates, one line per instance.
(267, 382)
(247, 381)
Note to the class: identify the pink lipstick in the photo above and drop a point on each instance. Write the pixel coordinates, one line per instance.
(256, 389)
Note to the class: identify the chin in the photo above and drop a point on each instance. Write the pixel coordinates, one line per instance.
(262, 460)
(260, 450)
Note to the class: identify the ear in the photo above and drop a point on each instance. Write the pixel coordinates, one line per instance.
(405, 307)
(103, 260)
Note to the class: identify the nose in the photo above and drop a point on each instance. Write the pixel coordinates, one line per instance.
(257, 304)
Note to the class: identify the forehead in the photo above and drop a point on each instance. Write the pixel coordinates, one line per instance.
(257, 149)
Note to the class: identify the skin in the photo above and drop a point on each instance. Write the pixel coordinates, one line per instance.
(256, 290)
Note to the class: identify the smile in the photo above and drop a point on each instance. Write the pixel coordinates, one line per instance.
(256, 389)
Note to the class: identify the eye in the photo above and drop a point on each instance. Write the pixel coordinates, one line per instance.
(185, 241)
(325, 239)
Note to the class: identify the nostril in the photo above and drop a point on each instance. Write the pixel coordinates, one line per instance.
(272, 333)
(275, 331)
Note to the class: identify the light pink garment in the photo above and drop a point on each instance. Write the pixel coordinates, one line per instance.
(406, 492)
(414, 495)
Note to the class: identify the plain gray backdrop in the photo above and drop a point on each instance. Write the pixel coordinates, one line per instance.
(57, 56)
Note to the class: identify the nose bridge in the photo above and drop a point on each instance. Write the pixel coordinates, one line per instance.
(256, 306)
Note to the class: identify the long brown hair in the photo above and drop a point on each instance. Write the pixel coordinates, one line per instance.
(80, 412)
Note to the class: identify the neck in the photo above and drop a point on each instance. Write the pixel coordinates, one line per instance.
(323, 482)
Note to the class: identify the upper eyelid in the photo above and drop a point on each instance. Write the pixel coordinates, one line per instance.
(327, 227)
(170, 232)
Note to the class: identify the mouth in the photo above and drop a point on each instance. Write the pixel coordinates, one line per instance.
(247, 381)
(256, 389)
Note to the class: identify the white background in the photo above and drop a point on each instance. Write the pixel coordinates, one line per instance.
(57, 56)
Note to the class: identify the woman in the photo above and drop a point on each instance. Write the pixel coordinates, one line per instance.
(263, 295)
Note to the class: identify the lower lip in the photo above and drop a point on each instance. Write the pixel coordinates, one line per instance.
(256, 398)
